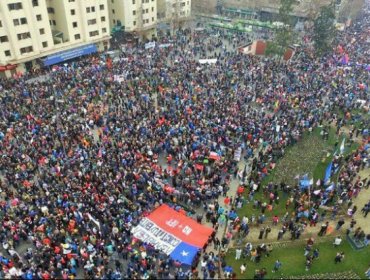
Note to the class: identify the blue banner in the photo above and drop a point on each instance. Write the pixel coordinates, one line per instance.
(69, 54)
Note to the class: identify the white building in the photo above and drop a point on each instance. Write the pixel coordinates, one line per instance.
(138, 16)
(31, 30)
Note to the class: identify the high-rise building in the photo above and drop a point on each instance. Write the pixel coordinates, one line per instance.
(136, 16)
(36, 33)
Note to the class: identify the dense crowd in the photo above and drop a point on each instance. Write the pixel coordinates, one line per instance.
(93, 148)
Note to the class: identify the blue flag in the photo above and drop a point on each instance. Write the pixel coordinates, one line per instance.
(184, 253)
(328, 173)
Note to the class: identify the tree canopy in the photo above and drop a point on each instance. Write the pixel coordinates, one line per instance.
(324, 30)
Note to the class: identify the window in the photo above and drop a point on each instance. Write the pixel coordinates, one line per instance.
(23, 20)
(152, 9)
(143, 11)
(35, 3)
(38, 17)
(22, 36)
(101, 7)
(94, 33)
(73, 12)
(113, 11)
(182, 4)
(134, 23)
(26, 50)
(102, 19)
(77, 36)
(16, 22)
(133, 2)
(42, 31)
(1, 24)
(153, 19)
(74, 24)
(4, 39)
(71, 0)
(15, 6)
(114, 21)
(147, 10)
(104, 30)
(88, 10)
(93, 9)
(91, 21)
(7, 53)
(51, 10)
(44, 44)
(54, 22)
(112, 1)
(134, 13)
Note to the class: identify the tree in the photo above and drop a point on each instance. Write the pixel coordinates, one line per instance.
(324, 30)
(284, 33)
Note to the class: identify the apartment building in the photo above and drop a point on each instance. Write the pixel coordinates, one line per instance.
(37, 33)
(173, 10)
(137, 16)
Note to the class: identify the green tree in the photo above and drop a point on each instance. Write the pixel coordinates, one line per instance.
(324, 30)
(284, 33)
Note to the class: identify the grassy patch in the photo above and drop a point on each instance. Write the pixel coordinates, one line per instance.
(299, 159)
(293, 261)
(311, 155)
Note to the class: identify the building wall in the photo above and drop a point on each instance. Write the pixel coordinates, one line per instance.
(178, 8)
(27, 27)
(34, 18)
(135, 15)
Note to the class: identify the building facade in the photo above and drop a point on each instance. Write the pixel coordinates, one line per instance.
(172, 14)
(31, 30)
(174, 9)
(267, 9)
(136, 16)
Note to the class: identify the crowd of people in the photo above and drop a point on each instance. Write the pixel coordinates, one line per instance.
(89, 151)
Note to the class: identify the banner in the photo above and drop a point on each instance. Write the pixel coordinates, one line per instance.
(209, 61)
(150, 45)
(161, 46)
(69, 54)
(173, 233)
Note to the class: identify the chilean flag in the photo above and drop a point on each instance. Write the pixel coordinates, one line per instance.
(173, 233)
